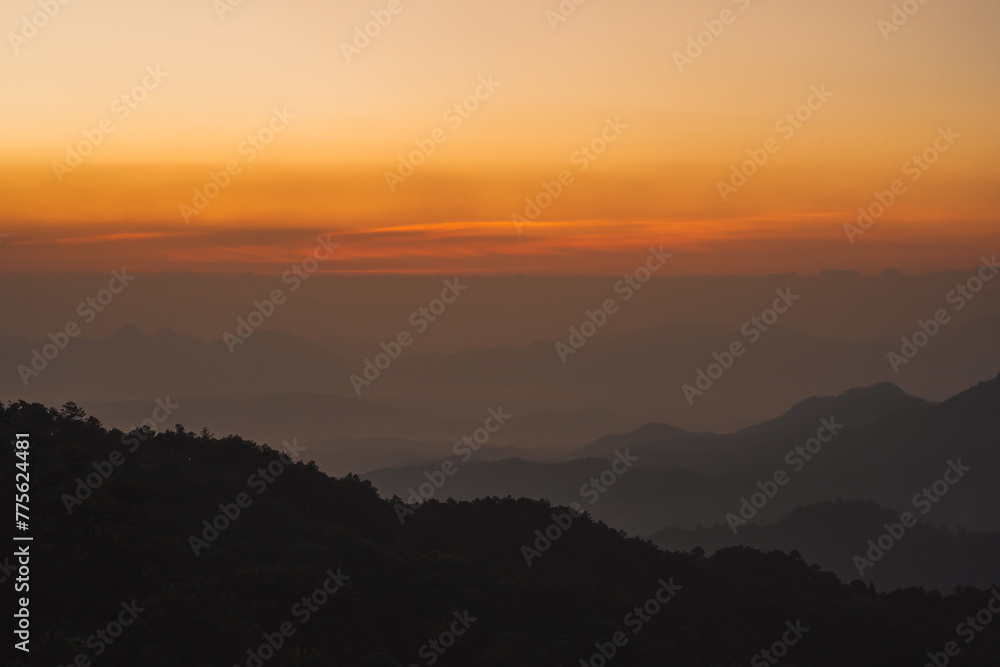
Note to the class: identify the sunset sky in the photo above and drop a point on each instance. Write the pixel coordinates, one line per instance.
(609, 69)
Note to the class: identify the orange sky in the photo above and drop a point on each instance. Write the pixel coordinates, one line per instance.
(329, 130)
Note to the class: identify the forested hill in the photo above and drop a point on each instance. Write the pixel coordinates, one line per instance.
(319, 571)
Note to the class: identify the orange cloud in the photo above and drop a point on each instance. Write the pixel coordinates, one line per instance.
(568, 247)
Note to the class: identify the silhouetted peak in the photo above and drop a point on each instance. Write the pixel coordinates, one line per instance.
(855, 406)
(881, 390)
(980, 391)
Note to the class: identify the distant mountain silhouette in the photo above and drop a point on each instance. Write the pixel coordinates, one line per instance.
(346, 434)
(830, 534)
(636, 375)
(162, 533)
(733, 452)
(894, 447)
(644, 435)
